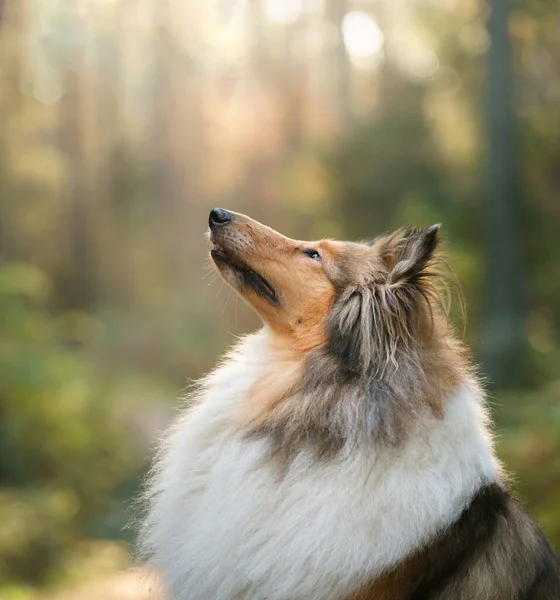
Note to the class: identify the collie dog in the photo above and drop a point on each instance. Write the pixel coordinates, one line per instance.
(343, 451)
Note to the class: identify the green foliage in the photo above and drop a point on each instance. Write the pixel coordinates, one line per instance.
(62, 447)
(528, 441)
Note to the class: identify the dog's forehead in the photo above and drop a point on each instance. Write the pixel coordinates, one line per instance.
(352, 263)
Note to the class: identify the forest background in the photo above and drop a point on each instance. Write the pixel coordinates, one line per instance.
(122, 122)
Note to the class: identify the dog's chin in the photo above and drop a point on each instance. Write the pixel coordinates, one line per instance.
(240, 276)
(230, 273)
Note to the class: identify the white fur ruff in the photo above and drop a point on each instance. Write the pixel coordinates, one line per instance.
(225, 525)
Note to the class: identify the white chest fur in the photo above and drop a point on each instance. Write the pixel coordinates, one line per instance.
(224, 525)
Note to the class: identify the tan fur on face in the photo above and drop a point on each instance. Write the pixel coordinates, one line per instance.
(303, 286)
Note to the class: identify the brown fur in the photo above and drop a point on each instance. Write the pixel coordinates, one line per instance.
(276, 385)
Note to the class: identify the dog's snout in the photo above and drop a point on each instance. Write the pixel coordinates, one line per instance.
(219, 216)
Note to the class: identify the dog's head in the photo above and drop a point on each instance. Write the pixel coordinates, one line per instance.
(364, 347)
(364, 302)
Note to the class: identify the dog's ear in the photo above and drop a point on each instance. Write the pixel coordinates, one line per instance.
(408, 252)
(370, 324)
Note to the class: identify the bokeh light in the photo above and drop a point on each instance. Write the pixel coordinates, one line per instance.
(361, 34)
(283, 11)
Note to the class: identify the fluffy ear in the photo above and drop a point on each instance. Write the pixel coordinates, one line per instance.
(408, 252)
(371, 325)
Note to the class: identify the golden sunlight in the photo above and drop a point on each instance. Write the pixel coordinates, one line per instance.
(283, 11)
(361, 34)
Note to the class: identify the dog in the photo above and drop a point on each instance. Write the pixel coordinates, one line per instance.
(342, 452)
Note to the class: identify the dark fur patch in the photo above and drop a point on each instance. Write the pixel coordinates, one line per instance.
(493, 552)
(344, 343)
(457, 549)
(260, 285)
(314, 416)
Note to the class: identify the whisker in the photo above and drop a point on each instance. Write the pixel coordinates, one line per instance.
(227, 301)
(235, 309)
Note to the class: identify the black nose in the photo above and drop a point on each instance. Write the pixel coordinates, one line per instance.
(219, 216)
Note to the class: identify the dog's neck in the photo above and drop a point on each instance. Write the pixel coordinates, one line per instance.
(313, 399)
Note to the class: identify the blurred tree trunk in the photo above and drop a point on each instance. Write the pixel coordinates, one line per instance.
(166, 179)
(77, 285)
(10, 107)
(178, 137)
(259, 60)
(295, 90)
(113, 168)
(503, 349)
(341, 68)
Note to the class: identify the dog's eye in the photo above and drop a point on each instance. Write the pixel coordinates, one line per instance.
(313, 254)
